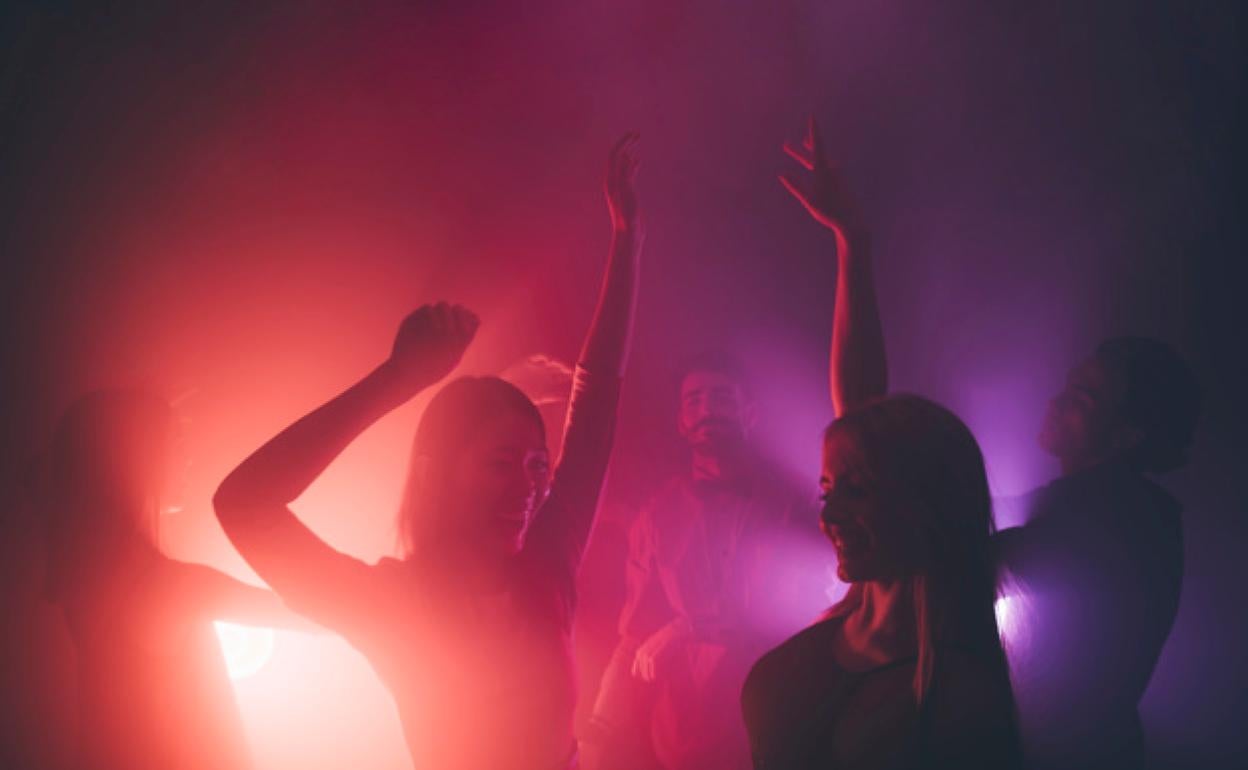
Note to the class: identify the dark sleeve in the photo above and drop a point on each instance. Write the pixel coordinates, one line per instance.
(564, 522)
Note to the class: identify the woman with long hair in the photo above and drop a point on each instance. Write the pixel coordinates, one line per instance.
(907, 670)
(152, 684)
(1093, 569)
(471, 629)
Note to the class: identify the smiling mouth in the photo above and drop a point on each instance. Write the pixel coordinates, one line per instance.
(850, 546)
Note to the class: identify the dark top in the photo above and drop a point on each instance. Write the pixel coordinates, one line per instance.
(805, 712)
(479, 681)
(152, 684)
(711, 555)
(1096, 574)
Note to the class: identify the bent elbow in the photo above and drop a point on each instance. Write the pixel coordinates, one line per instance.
(230, 502)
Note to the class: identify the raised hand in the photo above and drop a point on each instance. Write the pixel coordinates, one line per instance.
(621, 195)
(828, 200)
(430, 343)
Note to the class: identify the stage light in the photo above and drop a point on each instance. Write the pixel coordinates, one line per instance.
(1011, 620)
(246, 648)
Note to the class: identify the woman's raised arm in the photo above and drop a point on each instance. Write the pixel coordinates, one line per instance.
(858, 368)
(569, 514)
(253, 502)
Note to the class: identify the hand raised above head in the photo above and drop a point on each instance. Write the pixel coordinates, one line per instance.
(828, 201)
(621, 174)
(430, 343)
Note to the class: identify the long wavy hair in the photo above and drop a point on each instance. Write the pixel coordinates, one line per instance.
(106, 471)
(456, 415)
(926, 454)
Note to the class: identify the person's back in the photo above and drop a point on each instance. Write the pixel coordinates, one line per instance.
(153, 691)
(153, 688)
(1098, 569)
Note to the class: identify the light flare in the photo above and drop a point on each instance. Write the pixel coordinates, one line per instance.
(246, 648)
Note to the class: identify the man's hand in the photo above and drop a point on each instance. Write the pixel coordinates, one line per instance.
(828, 201)
(621, 195)
(653, 655)
(429, 344)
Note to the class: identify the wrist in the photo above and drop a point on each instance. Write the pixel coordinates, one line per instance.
(393, 385)
(626, 231)
(681, 626)
(852, 242)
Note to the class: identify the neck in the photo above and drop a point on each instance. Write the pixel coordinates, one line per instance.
(881, 628)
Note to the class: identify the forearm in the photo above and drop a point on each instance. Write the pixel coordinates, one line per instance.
(264, 609)
(278, 473)
(858, 368)
(607, 343)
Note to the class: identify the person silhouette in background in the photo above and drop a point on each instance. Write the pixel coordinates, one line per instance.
(153, 690)
(907, 670)
(471, 629)
(1096, 570)
(706, 574)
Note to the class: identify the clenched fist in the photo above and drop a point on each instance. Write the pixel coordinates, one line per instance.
(430, 343)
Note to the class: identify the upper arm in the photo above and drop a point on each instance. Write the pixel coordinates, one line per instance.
(568, 514)
(222, 597)
(646, 605)
(311, 577)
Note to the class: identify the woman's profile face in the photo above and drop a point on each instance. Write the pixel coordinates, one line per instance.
(498, 481)
(859, 516)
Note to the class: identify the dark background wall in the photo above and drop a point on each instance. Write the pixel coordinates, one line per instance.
(234, 204)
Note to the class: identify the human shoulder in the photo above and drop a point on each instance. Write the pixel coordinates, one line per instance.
(794, 654)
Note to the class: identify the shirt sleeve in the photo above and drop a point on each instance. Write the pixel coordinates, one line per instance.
(645, 604)
(564, 522)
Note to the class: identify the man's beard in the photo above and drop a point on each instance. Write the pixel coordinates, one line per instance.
(716, 435)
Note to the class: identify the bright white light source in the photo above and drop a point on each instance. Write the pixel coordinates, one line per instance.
(246, 648)
(1010, 619)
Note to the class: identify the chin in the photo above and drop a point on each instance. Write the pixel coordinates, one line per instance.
(1048, 441)
(849, 573)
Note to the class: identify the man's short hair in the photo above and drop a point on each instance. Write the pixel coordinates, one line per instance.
(1162, 398)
